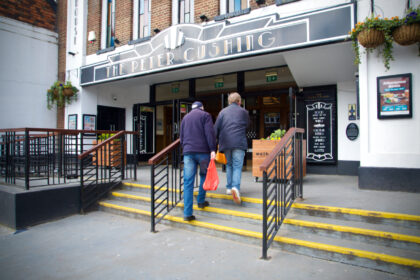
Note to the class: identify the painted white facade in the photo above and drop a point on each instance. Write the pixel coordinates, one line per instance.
(388, 142)
(29, 61)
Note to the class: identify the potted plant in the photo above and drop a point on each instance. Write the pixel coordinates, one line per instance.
(61, 94)
(110, 155)
(372, 33)
(407, 31)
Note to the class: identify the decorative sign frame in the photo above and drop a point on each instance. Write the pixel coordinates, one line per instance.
(319, 125)
(186, 45)
(395, 96)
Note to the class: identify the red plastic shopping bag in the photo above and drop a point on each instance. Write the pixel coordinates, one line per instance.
(212, 179)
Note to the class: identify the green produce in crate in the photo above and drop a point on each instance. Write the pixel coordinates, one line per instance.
(277, 134)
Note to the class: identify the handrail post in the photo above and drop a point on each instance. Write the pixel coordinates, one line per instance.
(27, 156)
(264, 229)
(152, 196)
(122, 156)
(81, 173)
(300, 159)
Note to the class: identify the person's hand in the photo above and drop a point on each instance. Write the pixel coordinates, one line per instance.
(212, 155)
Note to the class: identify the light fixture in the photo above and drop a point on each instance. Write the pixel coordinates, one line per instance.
(204, 18)
(156, 30)
(71, 53)
(116, 41)
(91, 37)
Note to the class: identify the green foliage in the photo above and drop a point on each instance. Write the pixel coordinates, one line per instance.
(105, 136)
(55, 94)
(386, 26)
(412, 15)
(277, 134)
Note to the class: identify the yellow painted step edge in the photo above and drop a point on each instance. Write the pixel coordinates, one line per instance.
(286, 240)
(366, 232)
(358, 212)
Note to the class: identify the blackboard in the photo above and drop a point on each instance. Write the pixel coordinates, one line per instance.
(319, 127)
(146, 122)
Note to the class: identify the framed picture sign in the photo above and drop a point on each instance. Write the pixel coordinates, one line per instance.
(395, 96)
(89, 122)
(72, 121)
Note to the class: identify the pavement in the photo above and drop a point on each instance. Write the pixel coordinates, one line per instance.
(101, 245)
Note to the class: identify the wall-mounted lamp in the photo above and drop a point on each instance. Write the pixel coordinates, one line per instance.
(71, 53)
(156, 30)
(204, 18)
(116, 41)
(91, 37)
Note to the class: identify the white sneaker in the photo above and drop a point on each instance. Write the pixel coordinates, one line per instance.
(236, 195)
(228, 191)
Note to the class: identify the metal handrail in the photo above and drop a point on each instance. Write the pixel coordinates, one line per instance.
(32, 157)
(166, 169)
(102, 144)
(282, 183)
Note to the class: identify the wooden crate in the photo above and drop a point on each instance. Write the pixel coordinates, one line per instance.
(261, 149)
(111, 149)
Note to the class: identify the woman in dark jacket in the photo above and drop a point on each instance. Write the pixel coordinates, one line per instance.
(230, 127)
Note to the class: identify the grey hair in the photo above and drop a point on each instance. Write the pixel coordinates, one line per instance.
(234, 97)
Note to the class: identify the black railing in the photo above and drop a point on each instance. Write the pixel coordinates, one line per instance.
(167, 182)
(282, 183)
(103, 167)
(33, 157)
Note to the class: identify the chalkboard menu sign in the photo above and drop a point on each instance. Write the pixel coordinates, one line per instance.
(146, 122)
(321, 132)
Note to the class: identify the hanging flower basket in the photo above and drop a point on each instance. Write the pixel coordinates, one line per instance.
(407, 34)
(61, 94)
(371, 38)
(408, 30)
(68, 92)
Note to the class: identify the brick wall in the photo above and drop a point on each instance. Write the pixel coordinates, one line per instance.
(161, 14)
(39, 13)
(204, 7)
(254, 5)
(94, 24)
(124, 24)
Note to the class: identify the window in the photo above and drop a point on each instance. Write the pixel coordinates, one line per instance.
(144, 18)
(108, 28)
(236, 5)
(184, 8)
(182, 11)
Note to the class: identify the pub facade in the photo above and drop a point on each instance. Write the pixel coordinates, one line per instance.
(140, 65)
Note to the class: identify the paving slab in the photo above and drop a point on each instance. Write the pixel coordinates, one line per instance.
(100, 245)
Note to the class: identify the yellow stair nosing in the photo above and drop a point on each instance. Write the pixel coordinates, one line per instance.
(351, 211)
(286, 240)
(366, 232)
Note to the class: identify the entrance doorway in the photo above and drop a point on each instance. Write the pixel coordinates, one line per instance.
(111, 118)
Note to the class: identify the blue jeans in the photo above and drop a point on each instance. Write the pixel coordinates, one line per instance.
(190, 169)
(235, 160)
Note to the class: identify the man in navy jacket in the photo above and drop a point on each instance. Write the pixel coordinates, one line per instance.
(230, 127)
(198, 143)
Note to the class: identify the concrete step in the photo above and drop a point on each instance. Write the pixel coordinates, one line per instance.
(364, 232)
(372, 217)
(397, 261)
